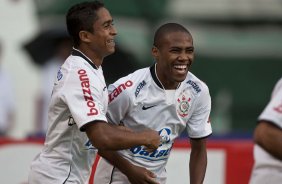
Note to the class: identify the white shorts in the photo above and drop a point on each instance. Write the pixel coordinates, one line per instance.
(106, 173)
(266, 169)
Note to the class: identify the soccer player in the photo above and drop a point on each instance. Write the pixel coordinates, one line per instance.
(268, 141)
(165, 97)
(77, 123)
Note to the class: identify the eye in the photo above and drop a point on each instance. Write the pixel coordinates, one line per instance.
(190, 50)
(175, 50)
(108, 25)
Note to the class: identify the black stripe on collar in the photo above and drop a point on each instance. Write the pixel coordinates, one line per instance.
(154, 76)
(75, 52)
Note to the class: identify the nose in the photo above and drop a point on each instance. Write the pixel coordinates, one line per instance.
(183, 57)
(113, 30)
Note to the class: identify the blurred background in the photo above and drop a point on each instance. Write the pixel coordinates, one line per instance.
(238, 45)
(238, 52)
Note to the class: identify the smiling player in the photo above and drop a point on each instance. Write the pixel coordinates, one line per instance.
(77, 124)
(165, 97)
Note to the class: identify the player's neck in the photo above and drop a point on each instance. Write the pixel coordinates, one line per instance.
(94, 58)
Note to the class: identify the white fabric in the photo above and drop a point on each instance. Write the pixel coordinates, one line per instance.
(139, 103)
(267, 169)
(79, 97)
(48, 78)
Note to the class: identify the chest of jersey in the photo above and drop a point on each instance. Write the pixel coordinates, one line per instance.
(164, 111)
(158, 109)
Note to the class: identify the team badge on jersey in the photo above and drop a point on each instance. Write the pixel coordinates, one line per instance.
(183, 105)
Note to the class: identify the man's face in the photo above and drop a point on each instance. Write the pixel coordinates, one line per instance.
(174, 58)
(104, 32)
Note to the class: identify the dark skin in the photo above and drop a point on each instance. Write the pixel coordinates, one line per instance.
(135, 174)
(269, 137)
(174, 57)
(109, 137)
(100, 43)
(198, 161)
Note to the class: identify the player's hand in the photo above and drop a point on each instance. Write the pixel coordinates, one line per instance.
(140, 175)
(153, 139)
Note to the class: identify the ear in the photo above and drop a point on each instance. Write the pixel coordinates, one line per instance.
(84, 36)
(155, 52)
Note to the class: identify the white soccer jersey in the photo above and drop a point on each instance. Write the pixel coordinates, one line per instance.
(139, 101)
(265, 164)
(79, 96)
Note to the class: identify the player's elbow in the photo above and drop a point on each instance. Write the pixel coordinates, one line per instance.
(100, 135)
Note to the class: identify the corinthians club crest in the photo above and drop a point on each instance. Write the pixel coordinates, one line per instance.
(183, 105)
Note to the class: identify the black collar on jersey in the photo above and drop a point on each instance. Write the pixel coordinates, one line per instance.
(155, 78)
(75, 52)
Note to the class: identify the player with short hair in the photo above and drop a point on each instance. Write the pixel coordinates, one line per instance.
(268, 141)
(165, 97)
(77, 122)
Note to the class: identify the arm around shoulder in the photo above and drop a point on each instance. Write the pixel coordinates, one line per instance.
(104, 136)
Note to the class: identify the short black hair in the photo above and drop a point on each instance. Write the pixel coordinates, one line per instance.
(80, 17)
(165, 29)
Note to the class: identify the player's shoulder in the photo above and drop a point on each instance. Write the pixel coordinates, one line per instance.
(195, 84)
(129, 85)
(133, 79)
(278, 87)
(72, 63)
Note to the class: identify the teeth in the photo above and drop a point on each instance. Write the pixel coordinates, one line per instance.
(180, 66)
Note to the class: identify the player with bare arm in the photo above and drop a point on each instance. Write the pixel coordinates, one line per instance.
(77, 123)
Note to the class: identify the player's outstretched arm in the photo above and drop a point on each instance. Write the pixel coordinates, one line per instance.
(135, 174)
(198, 161)
(269, 137)
(107, 137)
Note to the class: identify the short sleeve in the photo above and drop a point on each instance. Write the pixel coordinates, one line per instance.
(82, 97)
(199, 125)
(273, 110)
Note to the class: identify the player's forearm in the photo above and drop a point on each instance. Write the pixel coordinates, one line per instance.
(198, 161)
(117, 160)
(197, 167)
(106, 137)
(269, 138)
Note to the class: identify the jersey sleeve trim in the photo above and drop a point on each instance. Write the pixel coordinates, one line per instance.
(197, 138)
(82, 128)
(270, 122)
